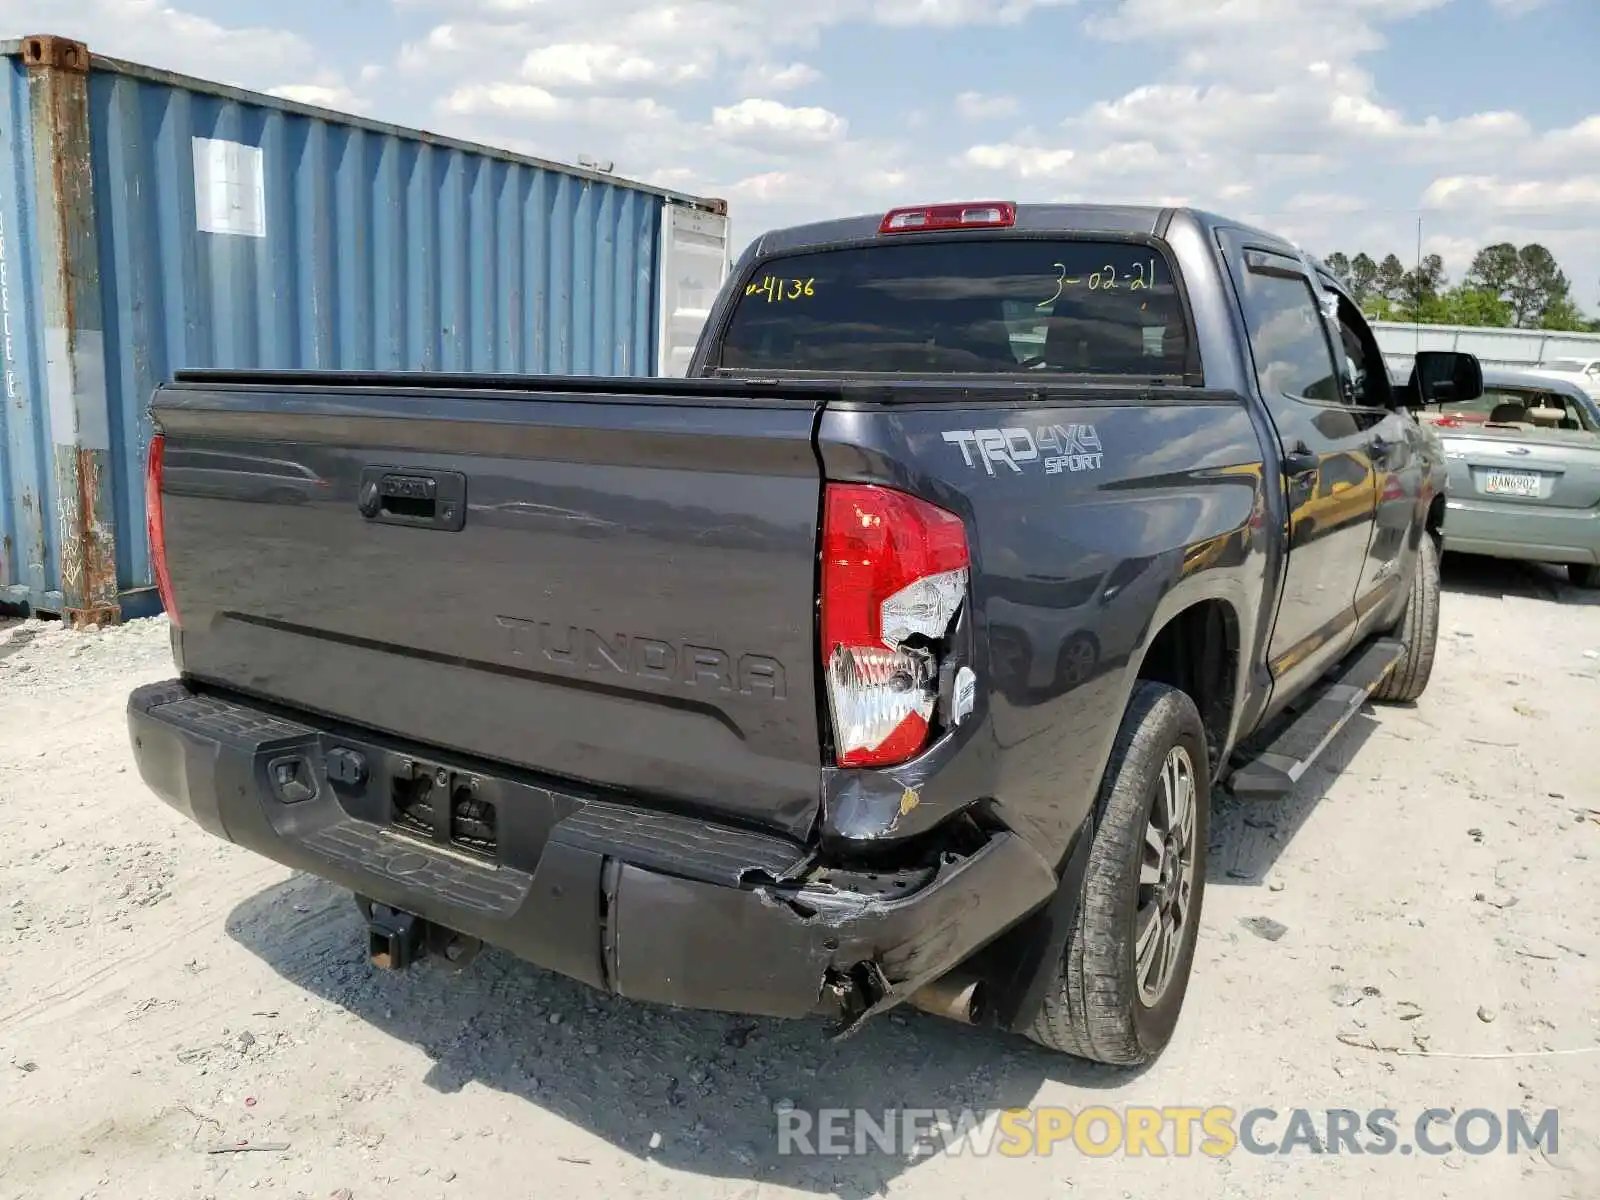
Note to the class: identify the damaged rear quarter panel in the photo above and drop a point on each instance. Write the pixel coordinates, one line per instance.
(1073, 570)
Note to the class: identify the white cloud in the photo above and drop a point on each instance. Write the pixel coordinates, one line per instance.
(334, 96)
(1305, 110)
(440, 45)
(1324, 202)
(1127, 158)
(1456, 252)
(795, 188)
(769, 185)
(1486, 192)
(1269, 107)
(1577, 147)
(643, 113)
(755, 120)
(975, 106)
(764, 77)
(1220, 118)
(712, 36)
(1257, 39)
(587, 118)
(1023, 162)
(591, 64)
(513, 99)
(163, 35)
(957, 12)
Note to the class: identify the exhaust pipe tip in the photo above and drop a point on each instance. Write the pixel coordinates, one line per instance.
(958, 996)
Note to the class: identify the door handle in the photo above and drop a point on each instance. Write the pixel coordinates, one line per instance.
(1300, 460)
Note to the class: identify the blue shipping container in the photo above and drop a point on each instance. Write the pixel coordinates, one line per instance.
(151, 222)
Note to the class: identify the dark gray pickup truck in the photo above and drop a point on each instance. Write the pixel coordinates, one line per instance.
(891, 657)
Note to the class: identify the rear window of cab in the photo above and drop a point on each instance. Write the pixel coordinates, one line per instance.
(963, 306)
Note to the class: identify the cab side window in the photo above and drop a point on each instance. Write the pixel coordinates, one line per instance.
(1288, 337)
(1368, 375)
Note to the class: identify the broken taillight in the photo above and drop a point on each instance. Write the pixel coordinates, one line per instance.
(156, 525)
(894, 576)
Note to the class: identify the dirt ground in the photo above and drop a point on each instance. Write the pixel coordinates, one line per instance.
(162, 993)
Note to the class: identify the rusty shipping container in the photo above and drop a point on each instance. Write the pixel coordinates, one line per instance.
(151, 222)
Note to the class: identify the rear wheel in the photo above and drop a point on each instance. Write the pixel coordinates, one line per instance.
(1419, 629)
(1122, 977)
(1583, 575)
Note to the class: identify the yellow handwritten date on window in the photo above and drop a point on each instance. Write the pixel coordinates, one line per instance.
(1105, 279)
(778, 291)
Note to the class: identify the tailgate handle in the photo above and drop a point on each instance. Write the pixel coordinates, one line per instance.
(415, 497)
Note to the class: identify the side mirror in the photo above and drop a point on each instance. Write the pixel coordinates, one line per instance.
(1443, 377)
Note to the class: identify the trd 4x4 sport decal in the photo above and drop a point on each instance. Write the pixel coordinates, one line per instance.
(1059, 447)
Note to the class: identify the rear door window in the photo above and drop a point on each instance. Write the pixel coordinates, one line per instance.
(1288, 337)
(1006, 306)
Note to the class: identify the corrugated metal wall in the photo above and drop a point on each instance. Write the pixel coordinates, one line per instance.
(1494, 347)
(312, 242)
(28, 569)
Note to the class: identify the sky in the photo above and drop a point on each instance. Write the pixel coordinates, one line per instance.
(1340, 123)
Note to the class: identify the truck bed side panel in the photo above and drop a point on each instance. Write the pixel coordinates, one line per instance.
(628, 602)
(1115, 514)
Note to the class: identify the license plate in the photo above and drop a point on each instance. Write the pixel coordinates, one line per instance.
(1511, 483)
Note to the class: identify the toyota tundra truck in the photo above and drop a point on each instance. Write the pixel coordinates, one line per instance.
(891, 657)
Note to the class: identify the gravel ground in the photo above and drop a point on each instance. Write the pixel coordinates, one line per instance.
(1432, 887)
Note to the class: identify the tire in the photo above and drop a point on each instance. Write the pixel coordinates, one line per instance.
(1419, 629)
(1095, 1008)
(1583, 575)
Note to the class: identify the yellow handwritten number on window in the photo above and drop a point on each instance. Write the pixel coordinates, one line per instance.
(1103, 280)
(1061, 282)
(778, 290)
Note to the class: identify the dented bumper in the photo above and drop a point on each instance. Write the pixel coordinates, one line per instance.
(648, 905)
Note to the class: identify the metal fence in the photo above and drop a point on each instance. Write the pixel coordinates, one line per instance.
(1494, 347)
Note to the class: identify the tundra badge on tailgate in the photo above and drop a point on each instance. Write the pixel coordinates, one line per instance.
(1059, 447)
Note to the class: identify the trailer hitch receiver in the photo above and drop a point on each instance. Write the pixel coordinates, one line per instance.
(394, 938)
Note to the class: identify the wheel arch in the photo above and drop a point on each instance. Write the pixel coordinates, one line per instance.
(1433, 524)
(1197, 650)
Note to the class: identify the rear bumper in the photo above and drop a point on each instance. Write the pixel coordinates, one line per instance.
(648, 905)
(1522, 531)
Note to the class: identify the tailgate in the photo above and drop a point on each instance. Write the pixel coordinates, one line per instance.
(612, 587)
(1550, 468)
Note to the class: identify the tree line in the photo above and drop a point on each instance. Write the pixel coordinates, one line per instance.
(1521, 287)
